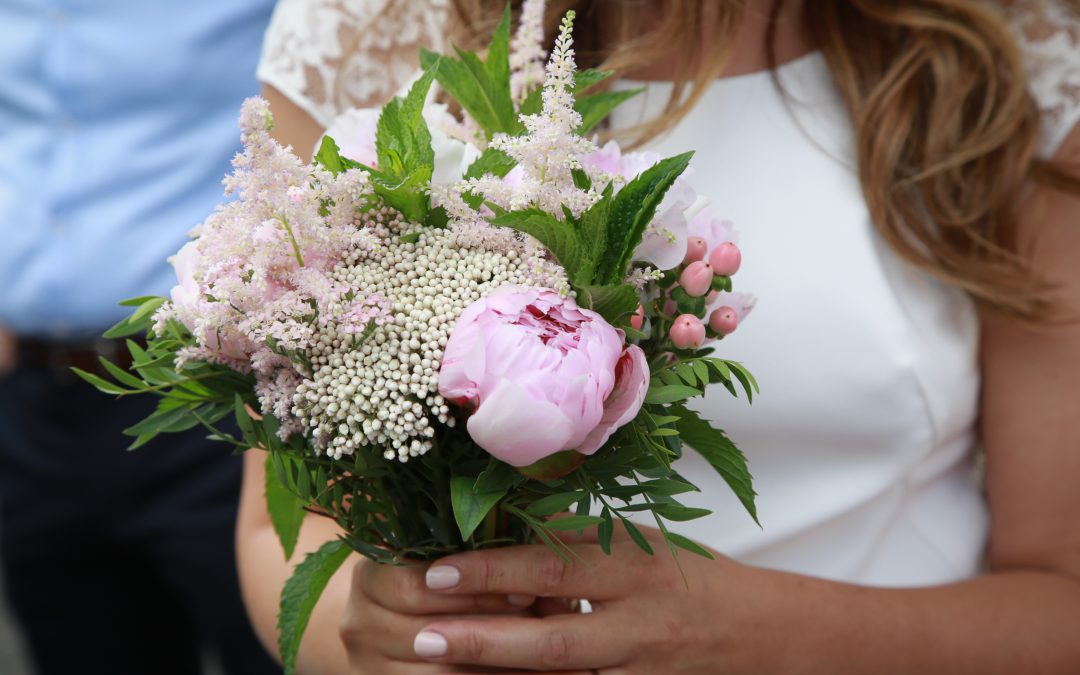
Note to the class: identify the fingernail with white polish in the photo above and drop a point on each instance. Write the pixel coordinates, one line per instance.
(520, 600)
(441, 577)
(428, 645)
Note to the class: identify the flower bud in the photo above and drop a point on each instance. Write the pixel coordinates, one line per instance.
(638, 319)
(724, 320)
(696, 249)
(687, 332)
(696, 279)
(726, 259)
(670, 307)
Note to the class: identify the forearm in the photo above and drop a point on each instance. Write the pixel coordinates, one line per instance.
(263, 571)
(1008, 623)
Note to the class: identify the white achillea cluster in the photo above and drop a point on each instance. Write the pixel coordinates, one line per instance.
(381, 388)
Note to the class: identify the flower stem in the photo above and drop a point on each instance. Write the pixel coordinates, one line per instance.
(292, 238)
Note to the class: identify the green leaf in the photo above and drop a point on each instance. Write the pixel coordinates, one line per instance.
(498, 476)
(557, 236)
(663, 487)
(146, 309)
(470, 507)
(614, 303)
(300, 594)
(161, 420)
(136, 302)
(491, 161)
(680, 513)
(596, 107)
(121, 375)
(744, 377)
(637, 536)
(481, 87)
(689, 545)
(556, 503)
(631, 212)
(719, 452)
(670, 394)
(402, 138)
(573, 523)
(285, 508)
(592, 233)
(100, 383)
(605, 530)
(329, 156)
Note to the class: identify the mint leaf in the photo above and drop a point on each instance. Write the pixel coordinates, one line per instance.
(492, 161)
(481, 87)
(595, 107)
(300, 594)
(285, 508)
(557, 236)
(720, 452)
(631, 212)
(402, 138)
(614, 303)
(470, 506)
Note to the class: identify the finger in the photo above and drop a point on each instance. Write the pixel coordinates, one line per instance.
(559, 643)
(403, 590)
(536, 570)
(370, 632)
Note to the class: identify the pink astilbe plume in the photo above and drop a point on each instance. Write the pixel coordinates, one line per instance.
(549, 151)
(258, 270)
(527, 50)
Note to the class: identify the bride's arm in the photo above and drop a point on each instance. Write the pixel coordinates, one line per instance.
(292, 125)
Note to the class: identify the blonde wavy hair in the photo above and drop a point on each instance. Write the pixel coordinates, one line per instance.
(946, 129)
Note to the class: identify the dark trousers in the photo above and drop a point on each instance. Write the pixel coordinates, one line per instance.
(117, 562)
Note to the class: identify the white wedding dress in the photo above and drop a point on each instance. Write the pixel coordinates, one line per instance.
(862, 443)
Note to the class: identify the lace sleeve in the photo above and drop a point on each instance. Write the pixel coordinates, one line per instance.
(331, 55)
(1049, 35)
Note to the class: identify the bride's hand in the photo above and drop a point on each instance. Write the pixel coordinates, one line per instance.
(645, 618)
(388, 607)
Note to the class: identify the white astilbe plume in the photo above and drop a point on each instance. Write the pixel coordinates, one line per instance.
(527, 50)
(549, 151)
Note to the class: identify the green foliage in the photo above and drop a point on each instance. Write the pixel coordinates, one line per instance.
(470, 506)
(720, 453)
(615, 303)
(556, 235)
(482, 87)
(285, 508)
(301, 592)
(631, 212)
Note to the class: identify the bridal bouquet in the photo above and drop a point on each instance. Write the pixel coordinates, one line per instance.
(453, 331)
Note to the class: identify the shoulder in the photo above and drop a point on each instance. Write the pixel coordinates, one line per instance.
(330, 55)
(1048, 32)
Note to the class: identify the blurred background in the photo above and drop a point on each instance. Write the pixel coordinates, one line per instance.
(118, 120)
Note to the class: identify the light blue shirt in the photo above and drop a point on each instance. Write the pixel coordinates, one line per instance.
(117, 124)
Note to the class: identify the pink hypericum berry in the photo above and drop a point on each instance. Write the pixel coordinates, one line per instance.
(725, 259)
(696, 249)
(670, 307)
(697, 278)
(724, 320)
(639, 318)
(687, 332)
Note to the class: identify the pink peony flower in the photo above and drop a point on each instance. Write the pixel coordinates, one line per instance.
(542, 374)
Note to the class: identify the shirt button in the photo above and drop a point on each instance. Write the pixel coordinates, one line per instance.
(58, 17)
(57, 226)
(69, 125)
